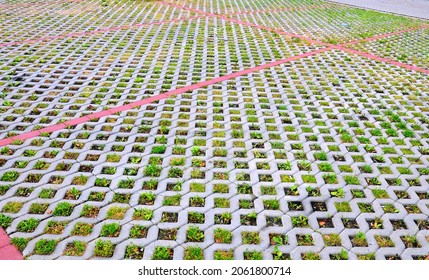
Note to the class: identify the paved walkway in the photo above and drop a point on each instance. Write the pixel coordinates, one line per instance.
(213, 129)
(412, 8)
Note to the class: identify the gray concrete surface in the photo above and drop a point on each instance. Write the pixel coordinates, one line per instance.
(413, 8)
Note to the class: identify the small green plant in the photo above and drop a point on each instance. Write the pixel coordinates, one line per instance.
(222, 236)
(384, 241)
(330, 178)
(110, 230)
(332, 239)
(102, 182)
(89, 211)
(271, 204)
(159, 149)
(379, 193)
(359, 240)
(322, 156)
(116, 212)
(410, 241)
(55, 227)
(4, 189)
(338, 193)
(104, 248)
(162, 253)
(310, 256)
(20, 243)
(194, 234)
(109, 170)
(152, 170)
(342, 255)
(80, 180)
(12, 207)
(325, 167)
(138, 231)
(5, 221)
(63, 209)
(194, 253)
(143, 214)
(250, 237)
(134, 252)
(197, 201)
(147, 198)
(278, 239)
(366, 169)
(10, 176)
(196, 217)
(82, 229)
(300, 221)
(121, 197)
(75, 248)
(177, 161)
(343, 206)
(351, 180)
(367, 257)
(28, 225)
(126, 184)
(223, 255)
(73, 194)
(172, 200)
(305, 240)
(150, 185)
(284, 166)
(113, 158)
(45, 247)
(175, 173)
(41, 165)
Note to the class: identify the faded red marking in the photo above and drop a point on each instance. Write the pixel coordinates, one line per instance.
(304, 38)
(385, 35)
(237, 21)
(385, 60)
(85, 33)
(7, 250)
(112, 111)
(279, 10)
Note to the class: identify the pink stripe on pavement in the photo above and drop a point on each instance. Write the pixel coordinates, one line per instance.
(381, 36)
(309, 7)
(73, 122)
(279, 10)
(385, 60)
(7, 250)
(86, 33)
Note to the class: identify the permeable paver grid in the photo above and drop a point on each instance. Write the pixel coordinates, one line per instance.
(212, 130)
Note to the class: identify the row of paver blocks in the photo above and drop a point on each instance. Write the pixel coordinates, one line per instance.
(337, 171)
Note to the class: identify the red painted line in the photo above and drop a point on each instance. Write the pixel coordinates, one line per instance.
(385, 60)
(112, 111)
(237, 21)
(86, 33)
(304, 38)
(7, 250)
(309, 7)
(381, 36)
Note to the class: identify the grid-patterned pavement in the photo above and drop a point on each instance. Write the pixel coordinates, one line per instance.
(203, 129)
